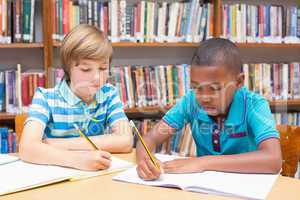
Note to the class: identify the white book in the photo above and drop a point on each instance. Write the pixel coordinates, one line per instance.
(247, 186)
(32, 21)
(246, 74)
(114, 21)
(18, 175)
(141, 36)
(285, 81)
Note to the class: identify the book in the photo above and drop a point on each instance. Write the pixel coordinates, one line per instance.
(24, 176)
(248, 186)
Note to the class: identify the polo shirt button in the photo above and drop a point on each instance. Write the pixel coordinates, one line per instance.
(216, 141)
(216, 131)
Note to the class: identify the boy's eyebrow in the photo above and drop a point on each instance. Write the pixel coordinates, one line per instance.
(207, 83)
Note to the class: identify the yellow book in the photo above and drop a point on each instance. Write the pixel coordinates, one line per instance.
(170, 85)
(17, 175)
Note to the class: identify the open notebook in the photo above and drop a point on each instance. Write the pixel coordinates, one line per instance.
(18, 175)
(249, 186)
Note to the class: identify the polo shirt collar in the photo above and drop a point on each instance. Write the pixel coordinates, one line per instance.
(237, 111)
(67, 94)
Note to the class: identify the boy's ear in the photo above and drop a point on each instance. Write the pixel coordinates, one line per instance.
(240, 80)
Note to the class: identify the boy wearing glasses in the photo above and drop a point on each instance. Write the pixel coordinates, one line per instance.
(82, 98)
(233, 128)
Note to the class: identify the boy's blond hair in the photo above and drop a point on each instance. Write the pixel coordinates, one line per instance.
(84, 42)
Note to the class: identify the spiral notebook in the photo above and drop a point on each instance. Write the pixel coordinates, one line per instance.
(249, 186)
(17, 175)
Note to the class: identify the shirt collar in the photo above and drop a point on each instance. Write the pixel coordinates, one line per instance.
(237, 110)
(67, 93)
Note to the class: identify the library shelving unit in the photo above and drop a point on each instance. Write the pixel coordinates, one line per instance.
(49, 47)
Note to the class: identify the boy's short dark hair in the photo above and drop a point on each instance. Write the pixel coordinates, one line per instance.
(218, 52)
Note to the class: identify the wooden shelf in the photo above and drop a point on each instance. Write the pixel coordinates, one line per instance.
(21, 45)
(7, 116)
(145, 44)
(187, 44)
(267, 45)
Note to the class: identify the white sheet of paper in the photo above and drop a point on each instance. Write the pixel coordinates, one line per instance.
(19, 175)
(4, 158)
(252, 186)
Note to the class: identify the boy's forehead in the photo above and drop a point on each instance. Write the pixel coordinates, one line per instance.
(93, 61)
(216, 74)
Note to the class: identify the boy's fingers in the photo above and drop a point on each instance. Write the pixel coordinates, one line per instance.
(144, 167)
(152, 168)
(105, 162)
(105, 154)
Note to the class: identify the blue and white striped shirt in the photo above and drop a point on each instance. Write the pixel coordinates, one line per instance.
(58, 108)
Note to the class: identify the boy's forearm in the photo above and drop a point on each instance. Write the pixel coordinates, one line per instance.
(252, 162)
(41, 153)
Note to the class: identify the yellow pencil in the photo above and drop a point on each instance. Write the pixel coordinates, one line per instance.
(144, 144)
(86, 137)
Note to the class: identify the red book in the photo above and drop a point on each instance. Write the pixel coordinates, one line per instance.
(41, 80)
(10, 139)
(106, 20)
(65, 6)
(25, 90)
(30, 87)
(138, 17)
(53, 16)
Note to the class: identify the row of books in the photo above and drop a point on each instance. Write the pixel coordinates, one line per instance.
(17, 89)
(274, 80)
(141, 86)
(17, 21)
(287, 118)
(181, 143)
(8, 143)
(261, 23)
(143, 21)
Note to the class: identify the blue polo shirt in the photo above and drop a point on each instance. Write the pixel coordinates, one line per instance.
(58, 109)
(248, 123)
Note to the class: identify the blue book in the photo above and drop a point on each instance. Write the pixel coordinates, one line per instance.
(4, 141)
(267, 30)
(2, 91)
(294, 21)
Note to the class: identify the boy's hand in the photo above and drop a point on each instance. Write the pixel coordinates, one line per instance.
(184, 165)
(91, 160)
(146, 169)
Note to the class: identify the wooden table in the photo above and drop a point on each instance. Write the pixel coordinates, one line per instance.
(103, 188)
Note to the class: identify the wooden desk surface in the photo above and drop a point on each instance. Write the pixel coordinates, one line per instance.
(103, 187)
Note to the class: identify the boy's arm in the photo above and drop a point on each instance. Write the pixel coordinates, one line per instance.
(120, 141)
(267, 159)
(32, 149)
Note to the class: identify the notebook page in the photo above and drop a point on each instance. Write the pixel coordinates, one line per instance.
(19, 175)
(4, 158)
(252, 186)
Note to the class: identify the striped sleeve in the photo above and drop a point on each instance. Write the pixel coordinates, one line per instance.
(39, 109)
(115, 110)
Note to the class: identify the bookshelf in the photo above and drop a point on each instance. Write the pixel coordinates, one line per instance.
(50, 48)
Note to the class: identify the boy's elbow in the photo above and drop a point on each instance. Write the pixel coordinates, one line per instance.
(127, 144)
(275, 164)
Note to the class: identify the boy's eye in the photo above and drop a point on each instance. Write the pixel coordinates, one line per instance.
(85, 70)
(215, 87)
